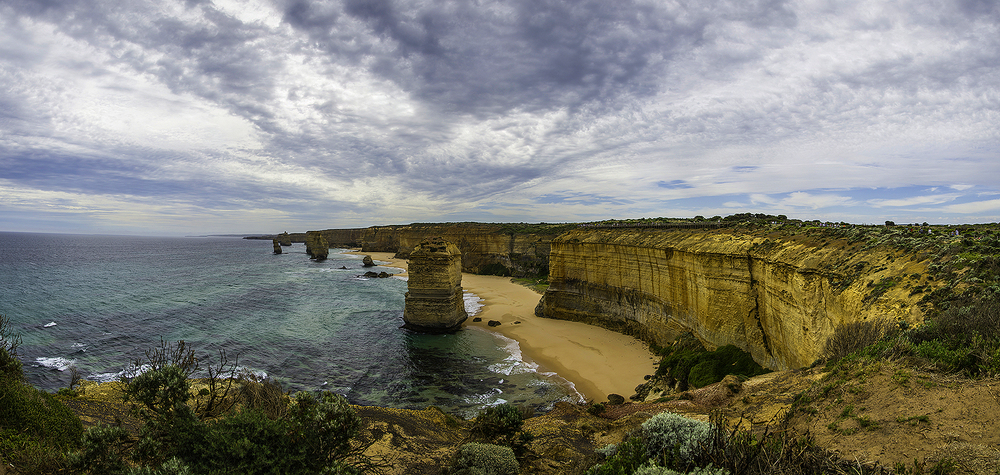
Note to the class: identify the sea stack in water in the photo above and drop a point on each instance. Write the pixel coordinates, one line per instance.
(277, 246)
(434, 303)
(316, 245)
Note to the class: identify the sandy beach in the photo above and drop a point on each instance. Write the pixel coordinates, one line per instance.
(597, 361)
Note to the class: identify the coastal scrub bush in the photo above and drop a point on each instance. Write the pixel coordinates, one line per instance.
(103, 451)
(501, 424)
(674, 440)
(484, 459)
(853, 336)
(657, 470)
(35, 427)
(627, 457)
(235, 431)
(10, 362)
(687, 363)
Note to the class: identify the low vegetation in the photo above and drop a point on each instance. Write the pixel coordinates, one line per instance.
(687, 364)
(228, 422)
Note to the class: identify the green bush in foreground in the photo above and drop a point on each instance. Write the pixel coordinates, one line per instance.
(35, 427)
(484, 459)
(313, 434)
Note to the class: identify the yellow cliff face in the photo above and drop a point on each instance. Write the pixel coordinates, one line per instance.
(779, 298)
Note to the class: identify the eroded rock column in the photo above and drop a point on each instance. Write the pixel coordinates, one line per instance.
(434, 301)
(316, 245)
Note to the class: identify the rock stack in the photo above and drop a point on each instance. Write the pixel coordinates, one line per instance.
(284, 239)
(316, 245)
(434, 302)
(277, 246)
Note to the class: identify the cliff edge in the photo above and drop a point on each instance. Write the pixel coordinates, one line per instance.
(777, 296)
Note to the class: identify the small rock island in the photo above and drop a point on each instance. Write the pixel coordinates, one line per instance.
(434, 301)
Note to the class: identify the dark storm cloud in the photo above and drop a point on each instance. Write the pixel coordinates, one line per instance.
(526, 54)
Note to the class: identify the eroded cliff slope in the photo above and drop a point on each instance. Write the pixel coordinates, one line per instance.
(777, 296)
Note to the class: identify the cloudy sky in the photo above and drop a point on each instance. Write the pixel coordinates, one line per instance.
(204, 116)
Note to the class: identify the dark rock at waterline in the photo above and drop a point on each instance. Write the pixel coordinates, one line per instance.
(343, 267)
(477, 319)
(277, 246)
(383, 274)
(368, 262)
(616, 399)
(493, 323)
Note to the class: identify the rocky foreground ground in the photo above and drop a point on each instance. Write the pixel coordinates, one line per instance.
(884, 412)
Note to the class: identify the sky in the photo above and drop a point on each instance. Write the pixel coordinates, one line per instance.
(167, 117)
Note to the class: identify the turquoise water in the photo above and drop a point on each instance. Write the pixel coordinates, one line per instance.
(98, 302)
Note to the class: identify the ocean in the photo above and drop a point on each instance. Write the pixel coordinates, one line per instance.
(98, 303)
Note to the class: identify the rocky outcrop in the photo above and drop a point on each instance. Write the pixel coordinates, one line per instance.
(486, 248)
(434, 300)
(277, 246)
(367, 262)
(778, 299)
(316, 245)
(284, 239)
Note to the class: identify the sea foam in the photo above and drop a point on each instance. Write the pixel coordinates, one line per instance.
(473, 304)
(56, 362)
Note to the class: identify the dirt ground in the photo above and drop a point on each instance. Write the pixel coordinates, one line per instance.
(891, 413)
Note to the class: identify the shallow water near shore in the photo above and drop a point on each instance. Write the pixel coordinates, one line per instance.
(98, 302)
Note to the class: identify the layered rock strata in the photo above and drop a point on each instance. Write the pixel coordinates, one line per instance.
(486, 248)
(434, 300)
(316, 245)
(777, 299)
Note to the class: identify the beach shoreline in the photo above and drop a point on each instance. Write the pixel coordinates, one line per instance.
(595, 360)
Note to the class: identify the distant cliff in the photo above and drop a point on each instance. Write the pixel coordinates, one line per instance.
(779, 298)
(497, 249)
(346, 238)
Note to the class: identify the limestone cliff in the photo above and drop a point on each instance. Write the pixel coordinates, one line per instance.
(434, 298)
(778, 298)
(486, 248)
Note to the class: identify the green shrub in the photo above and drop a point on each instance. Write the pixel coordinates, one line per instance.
(656, 470)
(853, 336)
(676, 440)
(484, 459)
(498, 423)
(10, 363)
(35, 427)
(627, 457)
(103, 451)
(310, 434)
(689, 364)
